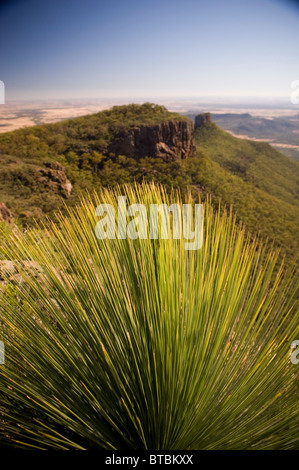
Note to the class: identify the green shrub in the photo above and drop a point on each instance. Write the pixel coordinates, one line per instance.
(139, 344)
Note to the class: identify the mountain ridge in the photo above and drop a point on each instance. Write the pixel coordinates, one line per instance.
(256, 180)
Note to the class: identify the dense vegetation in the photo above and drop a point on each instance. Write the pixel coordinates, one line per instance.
(194, 350)
(139, 344)
(80, 145)
(255, 162)
(279, 129)
(260, 183)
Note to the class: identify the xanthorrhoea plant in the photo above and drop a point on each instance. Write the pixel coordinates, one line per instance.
(141, 344)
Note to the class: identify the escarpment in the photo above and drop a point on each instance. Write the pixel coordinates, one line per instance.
(202, 119)
(44, 167)
(170, 140)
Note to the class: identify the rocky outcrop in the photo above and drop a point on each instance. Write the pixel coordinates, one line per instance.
(7, 269)
(170, 140)
(5, 214)
(202, 119)
(10, 274)
(54, 177)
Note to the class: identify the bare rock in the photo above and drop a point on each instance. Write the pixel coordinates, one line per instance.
(5, 214)
(55, 178)
(9, 273)
(202, 119)
(17, 279)
(170, 140)
(54, 166)
(7, 269)
(33, 267)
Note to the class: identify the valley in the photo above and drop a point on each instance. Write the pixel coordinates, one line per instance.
(47, 166)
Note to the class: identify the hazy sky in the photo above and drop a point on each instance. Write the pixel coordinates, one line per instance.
(136, 48)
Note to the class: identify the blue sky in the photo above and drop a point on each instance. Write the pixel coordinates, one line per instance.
(148, 48)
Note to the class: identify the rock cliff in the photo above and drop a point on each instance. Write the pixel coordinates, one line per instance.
(202, 119)
(54, 177)
(170, 140)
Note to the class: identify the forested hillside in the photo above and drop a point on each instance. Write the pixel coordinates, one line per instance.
(44, 167)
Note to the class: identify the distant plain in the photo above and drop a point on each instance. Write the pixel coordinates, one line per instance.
(274, 122)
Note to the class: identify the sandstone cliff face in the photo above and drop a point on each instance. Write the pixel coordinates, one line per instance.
(202, 119)
(170, 140)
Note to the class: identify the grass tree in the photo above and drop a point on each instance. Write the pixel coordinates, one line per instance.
(141, 344)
